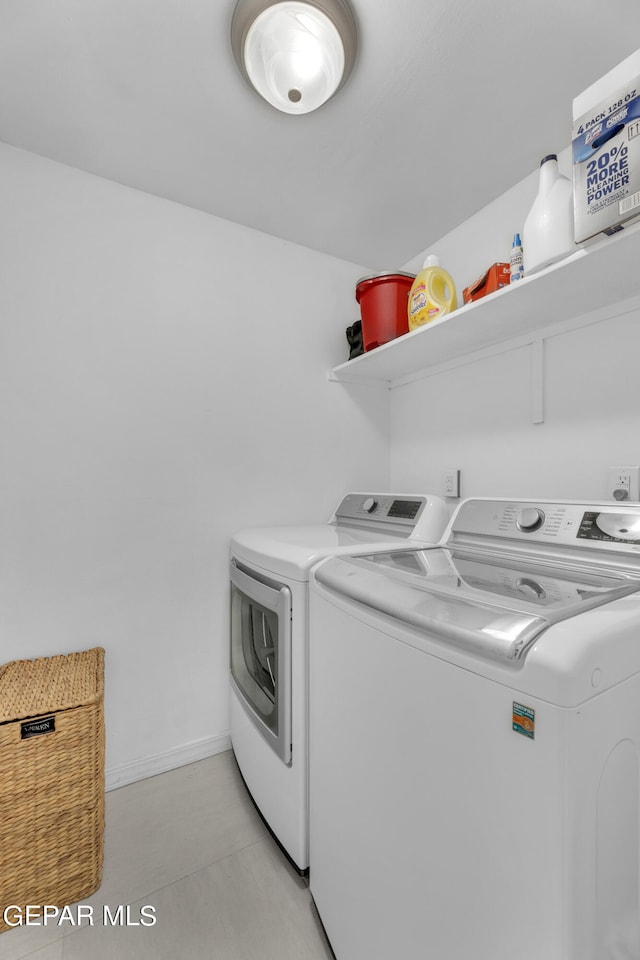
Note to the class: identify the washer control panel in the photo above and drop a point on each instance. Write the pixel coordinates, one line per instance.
(616, 526)
(598, 526)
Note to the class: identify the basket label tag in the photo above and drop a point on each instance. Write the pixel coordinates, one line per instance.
(34, 728)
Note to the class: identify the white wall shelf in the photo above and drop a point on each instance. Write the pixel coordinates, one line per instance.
(590, 283)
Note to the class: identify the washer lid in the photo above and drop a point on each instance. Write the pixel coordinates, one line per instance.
(489, 608)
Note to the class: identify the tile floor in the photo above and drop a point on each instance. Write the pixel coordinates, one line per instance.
(190, 844)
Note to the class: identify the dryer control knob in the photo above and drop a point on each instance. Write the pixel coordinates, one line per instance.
(369, 505)
(529, 519)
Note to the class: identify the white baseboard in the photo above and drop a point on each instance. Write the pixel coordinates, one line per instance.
(160, 763)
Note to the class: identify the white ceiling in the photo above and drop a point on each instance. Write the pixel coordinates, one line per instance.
(450, 103)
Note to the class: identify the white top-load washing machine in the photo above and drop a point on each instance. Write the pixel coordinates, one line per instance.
(475, 740)
(269, 574)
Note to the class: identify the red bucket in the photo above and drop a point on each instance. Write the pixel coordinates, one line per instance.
(383, 307)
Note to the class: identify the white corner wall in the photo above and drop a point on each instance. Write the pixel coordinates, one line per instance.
(163, 383)
(477, 417)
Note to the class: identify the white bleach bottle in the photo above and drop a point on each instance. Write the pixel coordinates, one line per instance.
(548, 233)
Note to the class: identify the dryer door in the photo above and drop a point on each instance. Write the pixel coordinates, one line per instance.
(261, 655)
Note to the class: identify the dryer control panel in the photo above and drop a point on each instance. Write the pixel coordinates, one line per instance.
(381, 508)
(421, 517)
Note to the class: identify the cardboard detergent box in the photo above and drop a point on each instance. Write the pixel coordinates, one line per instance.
(606, 152)
(498, 275)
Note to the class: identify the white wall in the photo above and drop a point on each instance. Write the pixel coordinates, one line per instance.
(163, 382)
(478, 417)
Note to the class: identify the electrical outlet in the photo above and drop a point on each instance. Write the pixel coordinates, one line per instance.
(624, 483)
(451, 486)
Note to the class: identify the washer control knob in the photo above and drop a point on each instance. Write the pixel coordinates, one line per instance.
(530, 589)
(529, 519)
(369, 505)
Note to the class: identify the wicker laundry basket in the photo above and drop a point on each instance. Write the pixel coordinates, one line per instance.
(51, 779)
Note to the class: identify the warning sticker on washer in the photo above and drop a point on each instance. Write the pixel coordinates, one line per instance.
(524, 720)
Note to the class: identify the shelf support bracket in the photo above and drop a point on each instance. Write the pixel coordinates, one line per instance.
(537, 381)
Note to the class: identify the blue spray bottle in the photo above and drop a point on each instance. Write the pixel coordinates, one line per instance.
(517, 259)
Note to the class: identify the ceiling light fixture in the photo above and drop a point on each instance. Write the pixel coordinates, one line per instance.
(296, 53)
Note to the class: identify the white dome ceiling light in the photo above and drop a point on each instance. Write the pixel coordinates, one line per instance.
(296, 53)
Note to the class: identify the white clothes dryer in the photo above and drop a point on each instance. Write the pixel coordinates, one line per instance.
(269, 573)
(475, 739)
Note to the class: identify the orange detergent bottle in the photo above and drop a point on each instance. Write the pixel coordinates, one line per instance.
(432, 295)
